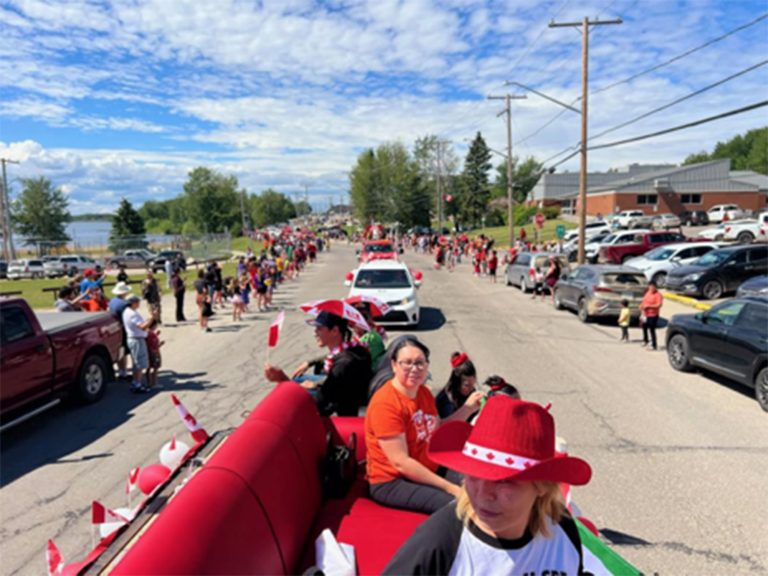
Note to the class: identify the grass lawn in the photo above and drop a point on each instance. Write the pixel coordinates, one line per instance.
(32, 290)
(241, 243)
(501, 233)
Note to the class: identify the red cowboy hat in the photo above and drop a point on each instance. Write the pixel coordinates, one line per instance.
(510, 439)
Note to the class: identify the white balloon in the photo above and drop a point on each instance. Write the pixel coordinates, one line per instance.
(172, 457)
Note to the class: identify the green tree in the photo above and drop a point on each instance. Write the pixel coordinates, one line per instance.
(212, 201)
(746, 152)
(271, 207)
(364, 189)
(302, 208)
(40, 213)
(476, 194)
(524, 177)
(128, 230)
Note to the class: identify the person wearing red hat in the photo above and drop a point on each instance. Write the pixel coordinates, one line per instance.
(401, 418)
(510, 517)
(460, 386)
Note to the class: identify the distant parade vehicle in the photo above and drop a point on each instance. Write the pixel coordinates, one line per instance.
(378, 250)
(392, 282)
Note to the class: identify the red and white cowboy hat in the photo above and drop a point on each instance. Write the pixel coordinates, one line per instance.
(510, 439)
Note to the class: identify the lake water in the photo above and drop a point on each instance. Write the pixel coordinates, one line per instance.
(91, 235)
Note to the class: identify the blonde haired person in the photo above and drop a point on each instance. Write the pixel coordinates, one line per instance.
(510, 517)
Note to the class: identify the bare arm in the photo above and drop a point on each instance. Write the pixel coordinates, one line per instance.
(396, 451)
(471, 406)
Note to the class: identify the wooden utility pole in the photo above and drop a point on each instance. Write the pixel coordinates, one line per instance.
(584, 24)
(9, 252)
(510, 197)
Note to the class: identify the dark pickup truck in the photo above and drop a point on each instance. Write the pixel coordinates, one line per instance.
(645, 241)
(44, 356)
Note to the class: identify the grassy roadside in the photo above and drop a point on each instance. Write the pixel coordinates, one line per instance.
(501, 233)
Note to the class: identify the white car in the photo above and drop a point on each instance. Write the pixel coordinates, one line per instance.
(26, 268)
(716, 232)
(746, 231)
(626, 237)
(591, 229)
(717, 213)
(656, 263)
(572, 247)
(392, 282)
(666, 221)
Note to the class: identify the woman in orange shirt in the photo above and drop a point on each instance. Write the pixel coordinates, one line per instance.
(649, 309)
(399, 422)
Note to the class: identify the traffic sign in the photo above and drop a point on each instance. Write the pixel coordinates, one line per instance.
(560, 231)
(539, 219)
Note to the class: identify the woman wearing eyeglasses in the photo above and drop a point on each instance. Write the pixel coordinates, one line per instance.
(399, 422)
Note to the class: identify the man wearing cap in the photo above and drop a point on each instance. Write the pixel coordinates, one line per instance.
(347, 369)
(510, 517)
(90, 283)
(136, 329)
(116, 307)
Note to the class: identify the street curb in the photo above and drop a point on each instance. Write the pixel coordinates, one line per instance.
(692, 302)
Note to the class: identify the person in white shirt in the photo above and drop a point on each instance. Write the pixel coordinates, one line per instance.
(136, 331)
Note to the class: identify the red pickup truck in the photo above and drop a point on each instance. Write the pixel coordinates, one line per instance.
(44, 356)
(645, 241)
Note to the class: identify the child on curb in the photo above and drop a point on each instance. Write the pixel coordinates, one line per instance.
(624, 318)
(153, 349)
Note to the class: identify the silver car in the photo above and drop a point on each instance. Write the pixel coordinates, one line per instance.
(666, 221)
(597, 290)
(523, 269)
(26, 268)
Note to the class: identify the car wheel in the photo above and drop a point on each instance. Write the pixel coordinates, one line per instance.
(507, 281)
(556, 298)
(745, 238)
(660, 279)
(712, 290)
(761, 388)
(678, 354)
(92, 380)
(583, 313)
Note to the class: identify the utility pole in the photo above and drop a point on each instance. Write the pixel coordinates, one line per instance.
(510, 197)
(584, 24)
(439, 183)
(9, 252)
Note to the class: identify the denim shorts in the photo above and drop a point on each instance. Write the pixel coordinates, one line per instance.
(138, 349)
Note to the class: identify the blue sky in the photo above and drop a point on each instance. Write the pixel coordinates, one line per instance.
(124, 98)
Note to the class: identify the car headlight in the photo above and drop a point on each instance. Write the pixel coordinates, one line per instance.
(693, 277)
(407, 300)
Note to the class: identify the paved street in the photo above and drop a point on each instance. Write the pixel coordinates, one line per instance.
(679, 460)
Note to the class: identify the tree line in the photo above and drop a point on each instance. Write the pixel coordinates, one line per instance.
(391, 184)
(747, 152)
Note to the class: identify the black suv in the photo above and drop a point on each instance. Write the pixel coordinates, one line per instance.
(158, 263)
(730, 339)
(720, 271)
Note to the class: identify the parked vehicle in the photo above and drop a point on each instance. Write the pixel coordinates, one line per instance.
(70, 264)
(666, 221)
(597, 290)
(716, 233)
(694, 217)
(732, 211)
(158, 262)
(53, 267)
(392, 282)
(26, 268)
(3, 269)
(657, 263)
(620, 252)
(592, 251)
(590, 247)
(746, 231)
(591, 229)
(633, 219)
(719, 272)
(133, 259)
(521, 272)
(39, 361)
(730, 339)
(756, 286)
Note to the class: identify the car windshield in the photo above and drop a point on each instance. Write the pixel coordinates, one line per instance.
(382, 279)
(608, 239)
(660, 254)
(624, 278)
(712, 258)
(378, 248)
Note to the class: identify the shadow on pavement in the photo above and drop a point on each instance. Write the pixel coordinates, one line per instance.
(730, 384)
(431, 319)
(616, 537)
(50, 437)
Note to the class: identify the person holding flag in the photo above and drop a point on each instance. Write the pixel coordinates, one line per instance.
(343, 386)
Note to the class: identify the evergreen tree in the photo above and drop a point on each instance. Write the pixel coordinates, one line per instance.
(476, 193)
(40, 213)
(128, 229)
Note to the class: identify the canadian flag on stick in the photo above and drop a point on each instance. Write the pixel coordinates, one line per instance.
(274, 329)
(198, 432)
(53, 559)
(133, 480)
(101, 514)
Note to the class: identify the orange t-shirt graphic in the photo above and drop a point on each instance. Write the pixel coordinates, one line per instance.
(391, 413)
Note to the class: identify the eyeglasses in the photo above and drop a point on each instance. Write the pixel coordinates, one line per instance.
(408, 365)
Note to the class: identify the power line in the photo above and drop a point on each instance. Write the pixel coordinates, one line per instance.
(541, 33)
(683, 55)
(683, 126)
(682, 99)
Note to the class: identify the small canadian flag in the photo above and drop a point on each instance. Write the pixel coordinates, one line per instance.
(53, 559)
(274, 329)
(101, 514)
(133, 480)
(198, 432)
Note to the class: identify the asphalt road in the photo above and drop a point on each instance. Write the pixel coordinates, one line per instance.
(679, 460)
